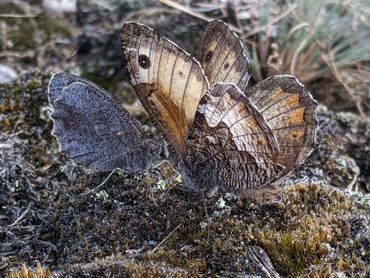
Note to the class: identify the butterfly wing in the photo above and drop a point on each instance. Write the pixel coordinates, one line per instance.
(229, 143)
(168, 82)
(289, 110)
(61, 80)
(222, 56)
(95, 131)
(57, 82)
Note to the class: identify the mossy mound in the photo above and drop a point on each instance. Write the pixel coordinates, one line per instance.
(59, 214)
(311, 228)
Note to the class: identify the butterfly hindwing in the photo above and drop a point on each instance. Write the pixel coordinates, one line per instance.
(229, 142)
(289, 110)
(168, 82)
(222, 56)
(95, 131)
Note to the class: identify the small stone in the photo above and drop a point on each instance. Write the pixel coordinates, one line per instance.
(60, 5)
(7, 74)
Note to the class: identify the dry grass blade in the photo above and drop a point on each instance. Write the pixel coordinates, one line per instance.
(166, 238)
(185, 9)
(355, 97)
(271, 22)
(189, 11)
(296, 53)
(17, 15)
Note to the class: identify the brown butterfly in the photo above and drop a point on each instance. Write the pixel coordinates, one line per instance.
(224, 133)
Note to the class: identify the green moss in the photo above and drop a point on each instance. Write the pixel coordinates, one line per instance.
(21, 105)
(316, 223)
(302, 231)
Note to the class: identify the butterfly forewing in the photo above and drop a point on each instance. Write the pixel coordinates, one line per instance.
(222, 56)
(61, 80)
(169, 83)
(93, 130)
(229, 142)
(289, 110)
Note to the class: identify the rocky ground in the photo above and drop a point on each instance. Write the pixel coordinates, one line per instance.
(72, 222)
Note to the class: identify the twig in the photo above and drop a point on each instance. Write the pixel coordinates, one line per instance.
(296, 53)
(24, 213)
(17, 54)
(295, 29)
(351, 184)
(134, 252)
(185, 9)
(166, 238)
(100, 185)
(331, 64)
(182, 8)
(18, 15)
(4, 34)
(271, 22)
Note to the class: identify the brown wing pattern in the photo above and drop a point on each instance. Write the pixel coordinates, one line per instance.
(222, 56)
(166, 79)
(229, 143)
(289, 110)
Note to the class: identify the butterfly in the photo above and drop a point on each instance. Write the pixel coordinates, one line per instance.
(95, 131)
(224, 132)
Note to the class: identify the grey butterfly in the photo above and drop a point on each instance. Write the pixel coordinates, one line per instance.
(95, 131)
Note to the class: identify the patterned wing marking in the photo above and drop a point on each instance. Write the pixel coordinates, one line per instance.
(289, 110)
(229, 143)
(168, 82)
(222, 56)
